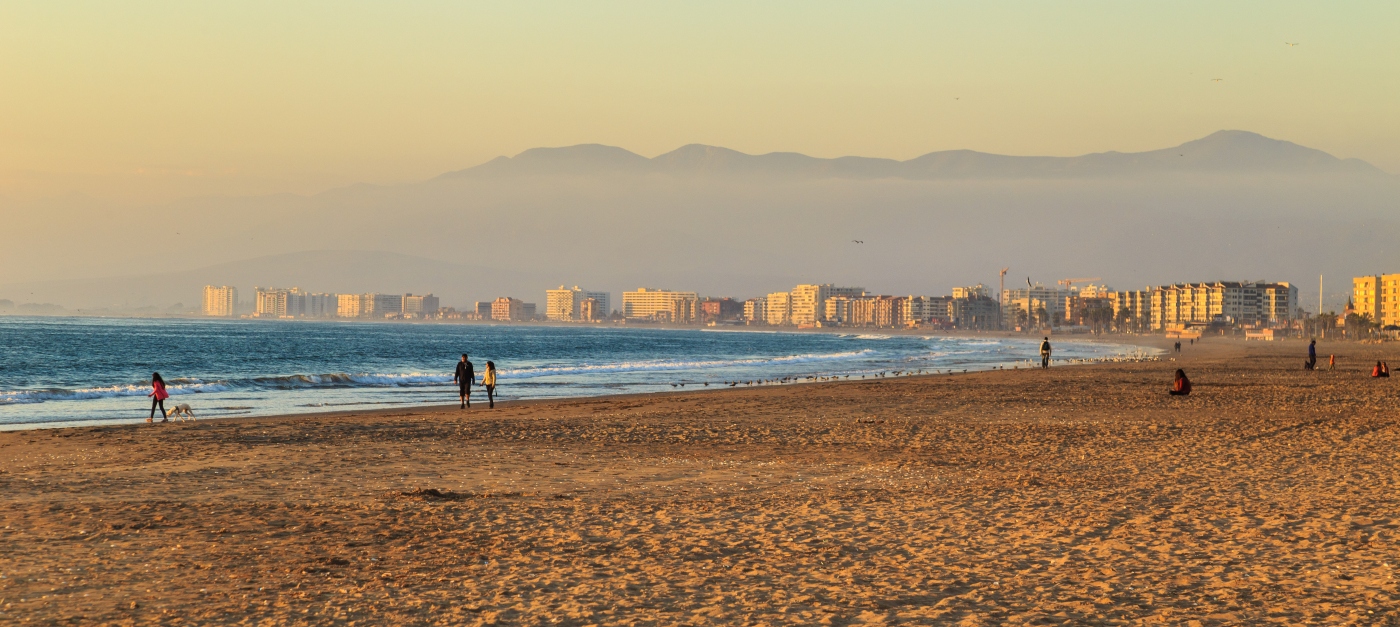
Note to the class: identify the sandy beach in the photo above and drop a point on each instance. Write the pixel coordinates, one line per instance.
(1078, 495)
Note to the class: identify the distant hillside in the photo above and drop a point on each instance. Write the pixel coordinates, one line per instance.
(1230, 206)
(1223, 151)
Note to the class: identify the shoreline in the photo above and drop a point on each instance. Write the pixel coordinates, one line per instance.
(75, 424)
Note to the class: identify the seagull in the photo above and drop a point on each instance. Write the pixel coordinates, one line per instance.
(858, 241)
(1289, 44)
(1217, 80)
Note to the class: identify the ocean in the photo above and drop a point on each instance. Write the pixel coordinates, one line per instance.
(70, 371)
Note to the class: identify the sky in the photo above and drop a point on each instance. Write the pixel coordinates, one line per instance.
(139, 102)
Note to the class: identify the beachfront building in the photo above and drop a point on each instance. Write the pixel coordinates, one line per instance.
(564, 304)
(971, 308)
(653, 305)
(807, 303)
(1132, 309)
(1033, 305)
(349, 305)
(777, 309)
(507, 309)
(271, 302)
(590, 310)
(1223, 302)
(1377, 297)
(482, 310)
(755, 310)
(221, 301)
(712, 309)
(419, 306)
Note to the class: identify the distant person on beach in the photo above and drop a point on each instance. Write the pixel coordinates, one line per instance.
(158, 396)
(464, 377)
(1045, 353)
(1181, 386)
(1312, 354)
(1381, 370)
(488, 381)
(1331, 363)
(1385, 369)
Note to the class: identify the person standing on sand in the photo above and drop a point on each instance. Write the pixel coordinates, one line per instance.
(1331, 363)
(158, 396)
(1045, 353)
(464, 377)
(1312, 354)
(488, 381)
(1181, 386)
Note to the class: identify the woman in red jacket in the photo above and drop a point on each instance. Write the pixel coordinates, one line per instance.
(158, 396)
(1181, 386)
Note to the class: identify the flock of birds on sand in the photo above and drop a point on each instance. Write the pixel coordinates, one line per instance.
(905, 373)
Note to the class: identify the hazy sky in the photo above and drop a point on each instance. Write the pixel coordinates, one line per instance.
(152, 100)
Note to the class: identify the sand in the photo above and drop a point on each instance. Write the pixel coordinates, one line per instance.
(1078, 495)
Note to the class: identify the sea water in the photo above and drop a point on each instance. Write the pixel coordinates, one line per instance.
(67, 371)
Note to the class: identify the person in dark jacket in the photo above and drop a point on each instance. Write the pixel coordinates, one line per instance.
(1045, 353)
(464, 377)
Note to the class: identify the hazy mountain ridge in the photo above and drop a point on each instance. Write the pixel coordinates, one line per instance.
(1223, 151)
(738, 225)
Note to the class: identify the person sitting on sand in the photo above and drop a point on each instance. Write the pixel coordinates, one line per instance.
(1181, 386)
(1381, 370)
(158, 396)
(1385, 369)
(1376, 370)
(488, 381)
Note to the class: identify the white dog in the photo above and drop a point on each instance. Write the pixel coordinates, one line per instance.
(183, 409)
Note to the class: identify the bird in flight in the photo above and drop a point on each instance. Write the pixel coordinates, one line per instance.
(1217, 80)
(1289, 44)
(858, 241)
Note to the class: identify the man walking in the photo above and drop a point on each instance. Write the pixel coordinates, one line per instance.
(464, 378)
(1045, 353)
(1312, 354)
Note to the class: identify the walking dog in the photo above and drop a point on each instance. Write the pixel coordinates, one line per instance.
(181, 411)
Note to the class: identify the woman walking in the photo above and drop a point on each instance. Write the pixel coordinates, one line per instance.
(158, 396)
(488, 381)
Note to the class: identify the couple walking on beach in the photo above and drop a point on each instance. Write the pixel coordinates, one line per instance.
(465, 378)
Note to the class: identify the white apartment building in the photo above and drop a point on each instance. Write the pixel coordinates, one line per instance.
(777, 308)
(755, 309)
(419, 306)
(220, 301)
(565, 304)
(808, 302)
(660, 305)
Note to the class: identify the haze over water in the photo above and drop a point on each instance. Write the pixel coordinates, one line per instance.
(81, 370)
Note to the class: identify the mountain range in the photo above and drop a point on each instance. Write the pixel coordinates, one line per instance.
(1230, 206)
(1223, 151)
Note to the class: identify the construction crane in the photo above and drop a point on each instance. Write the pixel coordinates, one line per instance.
(1069, 282)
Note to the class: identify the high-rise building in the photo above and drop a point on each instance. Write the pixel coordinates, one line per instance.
(777, 308)
(507, 309)
(270, 302)
(483, 309)
(1030, 302)
(321, 305)
(1222, 302)
(660, 305)
(755, 310)
(351, 306)
(591, 311)
(419, 306)
(564, 304)
(221, 301)
(385, 305)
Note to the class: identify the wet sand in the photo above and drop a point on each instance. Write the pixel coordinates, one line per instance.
(1078, 495)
